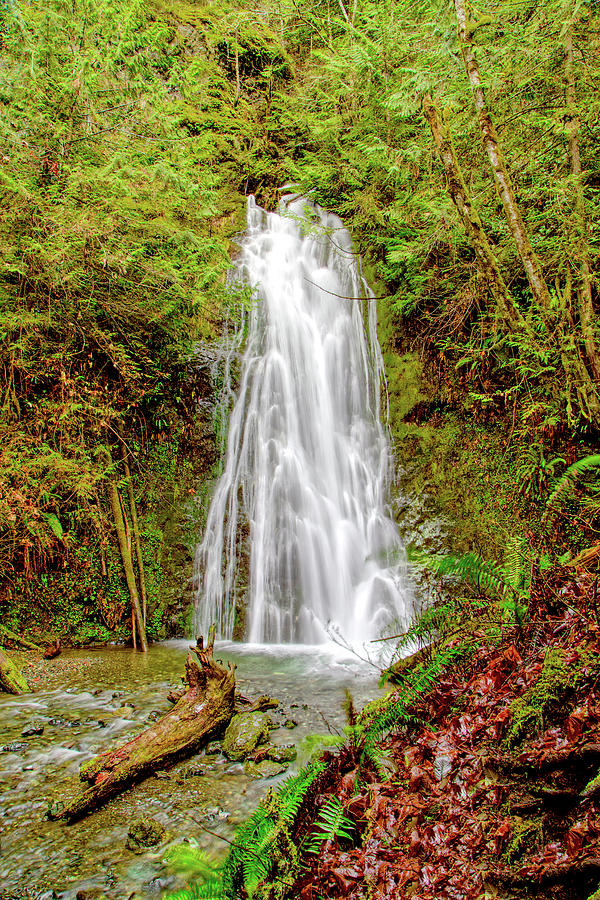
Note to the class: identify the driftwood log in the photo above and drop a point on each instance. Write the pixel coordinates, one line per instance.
(18, 639)
(11, 679)
(200, 714)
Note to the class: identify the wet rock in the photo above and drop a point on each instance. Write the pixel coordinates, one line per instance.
(290, 723)
(213, 748)
(57, 722)
(36, 726)
(153, 716)
(195, 772)
(244, 733)
(118, 694)
(16, 747)
(265, 769)
(215, 813)
(281, 753)
(55, 808)
(155, 887)
(143, 833)
(276, 753)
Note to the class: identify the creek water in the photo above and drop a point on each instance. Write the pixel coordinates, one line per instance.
(93, 700)
(299, 534)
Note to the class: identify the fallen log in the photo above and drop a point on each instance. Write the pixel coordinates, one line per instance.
(572, 872)
(11, 680)
(18, 639)
(200, 715)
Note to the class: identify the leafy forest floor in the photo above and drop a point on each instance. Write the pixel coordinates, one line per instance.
(489, 787)
(477, 776)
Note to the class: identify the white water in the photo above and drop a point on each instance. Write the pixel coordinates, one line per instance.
(303, 495)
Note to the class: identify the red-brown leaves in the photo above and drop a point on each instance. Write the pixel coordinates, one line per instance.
(444, 821)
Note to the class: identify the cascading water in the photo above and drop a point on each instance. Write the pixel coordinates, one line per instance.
(304, 488)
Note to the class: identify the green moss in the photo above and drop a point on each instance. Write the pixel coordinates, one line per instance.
(529, 714)
(311, 746)
(525, 837)
(405, 385)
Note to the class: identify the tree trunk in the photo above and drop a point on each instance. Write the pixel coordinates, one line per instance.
(202, 713)
(115, 502)
(502, 178)
(581, 236)
(135, 528)
(11, 680)
(469, 216)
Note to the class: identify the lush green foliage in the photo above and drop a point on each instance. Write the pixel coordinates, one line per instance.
(262, 845)
(332, 824)
(124, 146)
(358, 140)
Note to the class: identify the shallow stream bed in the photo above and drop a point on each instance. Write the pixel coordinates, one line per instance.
(89, 701)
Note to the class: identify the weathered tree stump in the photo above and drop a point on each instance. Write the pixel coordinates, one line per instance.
(11, 680)
(201, 714)
(53, 649)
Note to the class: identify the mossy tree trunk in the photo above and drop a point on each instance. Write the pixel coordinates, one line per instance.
(502, 177)
(11, 680)
(585, 305)
(202, 713)
(469, 216)
(135, 529)
(115, 504)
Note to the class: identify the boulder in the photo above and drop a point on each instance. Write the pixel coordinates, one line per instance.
(282, 753)
(36, 726)
(143, 833)
(244, 733)
(265, 769)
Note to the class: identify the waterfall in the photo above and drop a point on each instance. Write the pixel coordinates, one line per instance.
(300, 510)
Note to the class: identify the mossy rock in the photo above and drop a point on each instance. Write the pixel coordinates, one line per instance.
(265, 769)
(143, 833)
(282, 753)
(244, 733)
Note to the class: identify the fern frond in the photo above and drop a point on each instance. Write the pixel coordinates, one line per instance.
(331, 825)
(565, 486)
(208, 890)
(252, 858)
(483, 574)
(517, 565)
(397, 710)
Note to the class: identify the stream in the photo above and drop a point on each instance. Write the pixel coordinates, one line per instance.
(89, 701)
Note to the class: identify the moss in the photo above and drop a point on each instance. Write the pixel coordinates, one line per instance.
(529, 714)
(311, 746)
(405, 385)
(526, 837)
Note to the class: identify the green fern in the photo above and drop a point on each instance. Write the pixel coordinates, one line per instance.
(208, 890)
(485, 575)
(331, 825)
(263, 844)
(565, 486)
(397, 709)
